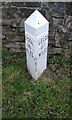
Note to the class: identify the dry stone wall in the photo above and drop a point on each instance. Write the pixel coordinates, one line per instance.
(59, 16)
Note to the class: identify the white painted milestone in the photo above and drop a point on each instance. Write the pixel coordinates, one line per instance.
(36, 41)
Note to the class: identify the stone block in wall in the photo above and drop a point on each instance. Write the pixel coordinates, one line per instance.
(52, 6)
(15, 50)
(70, 46)
(58, 38)
(62, 29)
(51, 36)
(65, 44)
(8, 12)
(68, 21)
(0, 22)
(51, 42)
(52, 31)
(67, 18)
(4, 37)
(16, 45)
(21, 23)
(0, 29)
(57, 21)
(70, 36)
(13, 26)
(54, 50)
(12, 36)
(57, 14)
(69, 25)
(0, 36)
(10, 23)
(69, 8)
(6, 22)
(26, 4)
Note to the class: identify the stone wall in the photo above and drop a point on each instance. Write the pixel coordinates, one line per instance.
(59, 16)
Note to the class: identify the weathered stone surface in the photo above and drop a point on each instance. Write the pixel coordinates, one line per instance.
(52, 31)
(3, 37)
(14, 29)
(69, 25)
(18, 4)
(10, 36)
(21, 25)
(20, 32)
(57, 14)
(26, 4)
(8, 12)
(68, 21)
(0, 29)
(54, 6)
(70, 46)
(66, 45)
(0, 21)
(69, 8)
(0, 45)
(57, 40)
(13, 25)
(63, 29)
(5, 22)
(0, 36)
(15, 50)
(14, 38)
(21, 29)
(70, 36)
(51, 42)
(9, 22)
(67, 18)
(53, 50)
(57, 21)
(16, 45)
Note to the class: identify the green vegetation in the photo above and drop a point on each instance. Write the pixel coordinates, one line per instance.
(48, 97)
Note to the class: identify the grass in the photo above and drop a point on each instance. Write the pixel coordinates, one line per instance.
(48, 97)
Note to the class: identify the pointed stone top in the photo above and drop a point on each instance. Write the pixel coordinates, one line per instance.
(36, 20)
